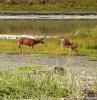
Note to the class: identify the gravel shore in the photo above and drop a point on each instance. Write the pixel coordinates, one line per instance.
(8, 61)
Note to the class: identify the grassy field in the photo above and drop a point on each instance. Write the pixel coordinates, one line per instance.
(49, 6)
(24, 83)
(78, 31)
(52, 47)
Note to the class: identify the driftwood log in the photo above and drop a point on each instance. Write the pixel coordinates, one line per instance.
(59, 70)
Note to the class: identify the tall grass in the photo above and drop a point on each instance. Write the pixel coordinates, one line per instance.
(22, 83)
(64, 6)
(16, 84)
(11, 46)
(68, 2)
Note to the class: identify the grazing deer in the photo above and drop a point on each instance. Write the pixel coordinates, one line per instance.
(29, 42)
(66, 43)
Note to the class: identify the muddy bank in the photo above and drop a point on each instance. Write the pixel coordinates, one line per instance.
(8, 61)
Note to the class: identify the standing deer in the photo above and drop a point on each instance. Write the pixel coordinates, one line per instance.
(29, 42)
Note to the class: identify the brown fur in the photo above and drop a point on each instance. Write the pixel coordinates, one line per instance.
(29, 42)
(66, 43)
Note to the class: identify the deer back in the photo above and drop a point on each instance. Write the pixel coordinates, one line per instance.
(26, 41)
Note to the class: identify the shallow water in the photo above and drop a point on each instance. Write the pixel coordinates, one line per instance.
(10, 36)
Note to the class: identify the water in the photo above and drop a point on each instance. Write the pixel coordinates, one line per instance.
(48, 17)
(46, 27)
(10, 36)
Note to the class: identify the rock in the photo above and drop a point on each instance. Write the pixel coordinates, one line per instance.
(59, 70)
(90, 95)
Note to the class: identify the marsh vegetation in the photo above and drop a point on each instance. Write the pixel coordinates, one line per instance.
(81, 32)
(29, 83)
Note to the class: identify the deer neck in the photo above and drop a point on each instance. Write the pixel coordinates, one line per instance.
(37, 42)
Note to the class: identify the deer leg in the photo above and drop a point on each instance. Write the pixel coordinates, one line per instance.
(69, 52)
(20, 47)
(62, 46)
(68, 62)
(33, 49)
(29, 48)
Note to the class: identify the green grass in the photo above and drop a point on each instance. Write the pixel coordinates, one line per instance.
(49, 8)
(52, 47)
(85, 39)
(92, 57)
(30, 68)
(16, 84)
(11, 46)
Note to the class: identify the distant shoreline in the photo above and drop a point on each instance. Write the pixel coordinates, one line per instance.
(44, 13)
(50, 16)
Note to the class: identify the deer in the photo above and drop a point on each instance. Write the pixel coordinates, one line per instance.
(29, 42)
(65, 42)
